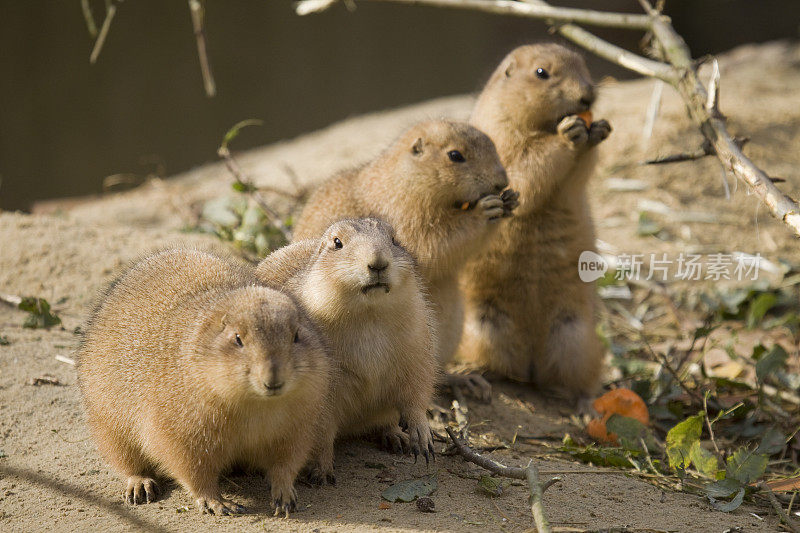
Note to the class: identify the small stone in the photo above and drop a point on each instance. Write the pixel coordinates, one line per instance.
(426, 505)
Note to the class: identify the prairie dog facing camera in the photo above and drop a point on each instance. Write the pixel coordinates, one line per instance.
(529, 316)
(363, 291)
(188, 368)
(441, 186)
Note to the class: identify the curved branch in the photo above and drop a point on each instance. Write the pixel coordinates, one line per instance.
(511, 7)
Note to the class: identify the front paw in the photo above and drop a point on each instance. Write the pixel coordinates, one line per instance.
(219, 506)
(491, 207)
(574, 131)
(599, 132)
(284, 498)
(510, 201)
(394, 439)
(420, 439)
(141, 490)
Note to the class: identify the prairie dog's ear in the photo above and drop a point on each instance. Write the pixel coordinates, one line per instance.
(223, 322)
(511, 67)
(416, 148)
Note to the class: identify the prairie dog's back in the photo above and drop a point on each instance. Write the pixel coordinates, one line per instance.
(150, 299)
(335, 199)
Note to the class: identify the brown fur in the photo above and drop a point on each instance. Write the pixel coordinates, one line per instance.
(382, 339)
(417, 189)
(528, 314)
(169, 391)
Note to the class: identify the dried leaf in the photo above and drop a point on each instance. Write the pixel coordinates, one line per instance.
(784, 485)
(727, 507)
(410, 489)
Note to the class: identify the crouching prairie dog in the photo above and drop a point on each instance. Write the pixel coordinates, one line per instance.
(528, 315)
(362, 290)
(440, 185)
(188, 368)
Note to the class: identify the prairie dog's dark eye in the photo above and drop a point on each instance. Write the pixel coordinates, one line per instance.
(542, 74)
(296, 336)
(337, 243)
(455, 156)
(239, 340)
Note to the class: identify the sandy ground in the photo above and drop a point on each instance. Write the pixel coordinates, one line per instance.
(52, 478)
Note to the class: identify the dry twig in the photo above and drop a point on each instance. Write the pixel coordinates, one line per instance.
(676, 68)
(198, 13)
(784, 518)
(111, 10)
(530, 474)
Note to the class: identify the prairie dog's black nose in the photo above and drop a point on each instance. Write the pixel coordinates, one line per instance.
(378, 264)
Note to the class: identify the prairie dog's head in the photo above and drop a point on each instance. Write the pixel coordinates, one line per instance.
(359, 263)
(535, 86)
(259, 343)
(447, 164)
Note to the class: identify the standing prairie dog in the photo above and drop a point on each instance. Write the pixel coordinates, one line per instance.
(188, 368)
(528, 315)
(363, 291)
(439, 185)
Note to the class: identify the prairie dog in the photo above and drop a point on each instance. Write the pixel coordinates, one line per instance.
(187, 368)
(439, 185)
(528, 315)
(363, 291)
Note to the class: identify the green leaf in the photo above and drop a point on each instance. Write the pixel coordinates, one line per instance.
(680, 440)
(745, 466)
(410, 489)
(39, 313)
(772, 442)
(4, 341)
(771, 361)
(234, 131)
(493, 486)
(727, 507)
(629, 431)
(240, 186)
(759, 307)
(703, 460)
(647, 226)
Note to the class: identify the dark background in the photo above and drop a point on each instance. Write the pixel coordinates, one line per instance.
(65, 125)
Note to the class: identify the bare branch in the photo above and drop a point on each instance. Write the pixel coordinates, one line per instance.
(784, 518)
(198, 13)
(530, 473)
(510, 7)
(712, 102)
(91, 26)
(652, 111)
(111, 10)
(611, 52)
